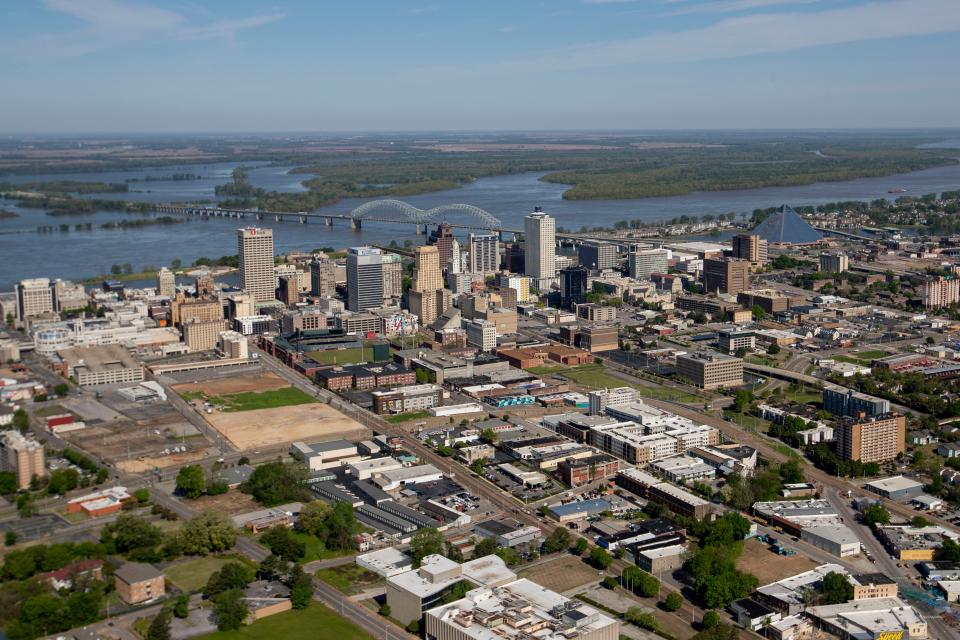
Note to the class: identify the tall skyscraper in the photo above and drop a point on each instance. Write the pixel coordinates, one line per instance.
(323, 277)
(573, 286)
(442, 238)
(427, 275)
(540, 260)
(364, 278)
(255, 248)
(484, 253)
(166, 283)
(34, 298)
(392, 276)
(288, 289)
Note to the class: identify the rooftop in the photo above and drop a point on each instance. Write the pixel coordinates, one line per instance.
(869, 618)
(893, 484)
(133, 572)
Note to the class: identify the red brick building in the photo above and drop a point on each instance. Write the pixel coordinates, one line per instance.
(580, 471)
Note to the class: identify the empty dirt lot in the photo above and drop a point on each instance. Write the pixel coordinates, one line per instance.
(270, 427)
(234, 384)
(768, 566)
(563, 574)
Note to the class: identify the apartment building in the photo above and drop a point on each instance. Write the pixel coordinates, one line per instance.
(750, 247)
(22, 456)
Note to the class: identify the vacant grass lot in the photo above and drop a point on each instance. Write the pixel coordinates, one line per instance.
(192, 575)
(405, 417)
(349, 578)
(264, 400)
(596, 376)
(313, 623)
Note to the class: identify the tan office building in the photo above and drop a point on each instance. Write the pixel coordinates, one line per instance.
(34, 298)
(184, 310)
(22, 456)
(711, 370)
(427, 276)
(750, 247)
(873, 439)
(255, 248)
(726, 275)
(323, 277)
(202, 336)
(392, 276)
(166, 283)
(136, 582)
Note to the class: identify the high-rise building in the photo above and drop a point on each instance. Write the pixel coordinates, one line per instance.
(255, 248)
(748, 246)
(874, 439)
(726, 275)
(484, 253)
(442, 238)
(520, 284)
(34, 298)
(597, 256)
(240, 305)
(513, 257)
(455, 264)
(481, 334)
(834, 262)
(23, 456)
(939, 292)
(427, 275)
(68, 296)
(641, 263)
(430, 304)
(201, 335)
(288, 290)
(364, 278)
(540, 237)
(166, 283)
(392, 276)
(573, 286)
(323, 277)
(204, 285)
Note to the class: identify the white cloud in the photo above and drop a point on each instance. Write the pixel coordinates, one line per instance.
(752, 35)
(731, 6)
(112, 24)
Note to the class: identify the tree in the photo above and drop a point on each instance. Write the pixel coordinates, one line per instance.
(210, 531)
(159, 628)
(836, 589)
(919, 522)
(129, 532)
(341, 527)
(488, 436)
(710, 619)
(452, 552)
(190, 481)
(758, 312)
(773, 349)
(313, 518)
(875, 514)
(181, 606)
(384, 610)
(301, 588)
(673, 601)
(558, 540)
(742, 400)
(639, 581)
(426, 542)
(414, 626)
(21, 421)
(580, 546)
(283, 543)
(62, 389)
(950, 550)
(229, 610)
(485, 547)
(720, 631)
(276, 483)
(509, 556)
(609, 582)
(231, 575)
(600, 558)
(142, 495)
(62, 480)
(8, 483)
(641, 618)
(10, 538)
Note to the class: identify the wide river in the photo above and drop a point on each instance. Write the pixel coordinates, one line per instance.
(25, 252)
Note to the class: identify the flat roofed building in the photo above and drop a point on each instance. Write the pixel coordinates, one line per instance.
(597, 256)
(731, 341)
(726, 275)
(516, 611)
(201, 335)
(770, 300)
(880, 618)
(847, 402)
(137, 582)
(34, 298)
(107, 364)
(617, 397)
(22, 456)
(643, 263)
(364, 278)
(895, 487)
(915, 544)
(711, 370)
(874, 439)
(747, 246)
(834, 262)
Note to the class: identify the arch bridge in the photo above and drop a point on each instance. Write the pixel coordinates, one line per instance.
(424, 216)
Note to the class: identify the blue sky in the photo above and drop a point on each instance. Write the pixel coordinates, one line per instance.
(326, 65)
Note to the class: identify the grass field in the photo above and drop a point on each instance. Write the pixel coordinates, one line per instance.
(349, 578)
(264, 400)
(405, 417)
(767, 565)
(343, 356)
(313, 623)
(192, 575)
(595, 376)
